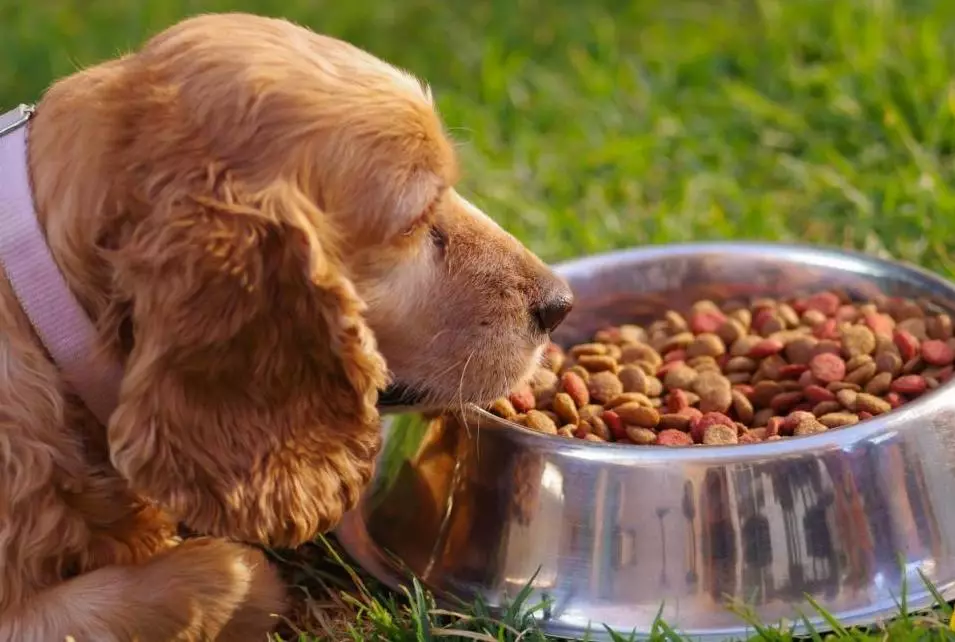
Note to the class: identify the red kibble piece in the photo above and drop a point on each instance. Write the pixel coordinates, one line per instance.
(945, 374)
(895, 399)
(784, 401)
(806, 379)
(677, 400)
(691, 412)
(880, 323)
(523, 399)
(799, 305)
(829, 329)
(827, 367)
(937, 353)
(825, 302)
(615, 424)
(847, 313)
(818, 394)
(675, 355)
(699, 425)
(792, 370)
(907, 344)
(765, 348)
(746, 389)
(707, 322)
(863, 415)
(909, 385)
(803, 407)
(773, 426)
(667, 367)
(749, 438)
(673, 437)
(761, 317)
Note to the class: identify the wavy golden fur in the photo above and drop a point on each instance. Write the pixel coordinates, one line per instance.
(258, 219)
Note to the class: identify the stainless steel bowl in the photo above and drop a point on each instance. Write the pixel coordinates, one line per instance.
(612, 534)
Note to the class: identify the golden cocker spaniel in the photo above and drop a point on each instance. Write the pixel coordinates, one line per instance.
(262, 225)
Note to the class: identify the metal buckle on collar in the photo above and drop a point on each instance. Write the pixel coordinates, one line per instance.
(15, 118)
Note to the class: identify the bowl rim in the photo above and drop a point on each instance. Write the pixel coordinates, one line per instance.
(809, 254)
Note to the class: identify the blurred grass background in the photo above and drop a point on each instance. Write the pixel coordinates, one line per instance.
(588, 125)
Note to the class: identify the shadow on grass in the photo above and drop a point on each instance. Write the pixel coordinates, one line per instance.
(333, 601)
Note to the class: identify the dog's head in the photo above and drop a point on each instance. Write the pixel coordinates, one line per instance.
(289, 218)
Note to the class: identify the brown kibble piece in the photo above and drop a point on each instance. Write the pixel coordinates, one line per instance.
(809, 426)
(706, 345)
(801, 350)
(720, 435)
(634, 352)
(680, 376)
(715, 392)
(633, 379)
(839, 419)
(872, 404)
(588, 349)
(888, 362)
(638, 415)
(857, 340)
(597, 363)
(565, 408)
(862, 374)
(742, 406)
(674, 420)
(641, 436)
(503, 408)
(879, 384)
(539, 422)
(604, 386)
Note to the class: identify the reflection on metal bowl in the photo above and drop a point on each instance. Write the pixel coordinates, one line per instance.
(610, 534)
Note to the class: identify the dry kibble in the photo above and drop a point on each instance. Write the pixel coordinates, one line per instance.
(631, 353)
(706, 345)
(680, 376)
(638, 415)
(738, 373)
(839, 419)
(503, 408)
(633, 379)
(742, 406)
(597, 363)
(871, 404)
(641, 436)
(539, 422)
(720, 435)
(879, 384)
(857, 340)
(604, 386)
(565, 408)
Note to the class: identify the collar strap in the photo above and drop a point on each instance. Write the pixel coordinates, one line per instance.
(59, 321)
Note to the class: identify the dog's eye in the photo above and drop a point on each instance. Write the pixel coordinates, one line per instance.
(438, 237)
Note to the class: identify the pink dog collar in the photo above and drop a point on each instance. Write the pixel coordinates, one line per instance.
(57, 318)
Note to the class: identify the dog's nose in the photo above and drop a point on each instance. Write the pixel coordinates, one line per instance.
(554, 307)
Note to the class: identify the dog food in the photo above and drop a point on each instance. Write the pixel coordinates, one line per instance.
(738, 374)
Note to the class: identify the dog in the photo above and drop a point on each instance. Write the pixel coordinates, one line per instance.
(260, 226)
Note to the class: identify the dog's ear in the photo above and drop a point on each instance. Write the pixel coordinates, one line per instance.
(247, 408)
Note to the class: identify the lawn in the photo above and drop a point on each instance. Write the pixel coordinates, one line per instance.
(586, 125)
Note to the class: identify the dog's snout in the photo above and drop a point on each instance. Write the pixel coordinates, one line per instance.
(554, 306)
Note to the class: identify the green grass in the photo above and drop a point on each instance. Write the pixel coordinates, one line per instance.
(586, 125)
